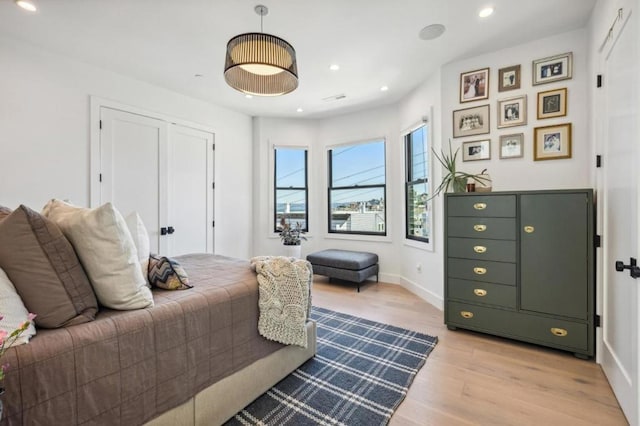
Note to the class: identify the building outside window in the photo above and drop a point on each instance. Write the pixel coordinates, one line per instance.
(357, 189)
(291, 191)
(417, 191)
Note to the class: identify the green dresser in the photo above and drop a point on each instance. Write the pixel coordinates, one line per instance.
(521, 265)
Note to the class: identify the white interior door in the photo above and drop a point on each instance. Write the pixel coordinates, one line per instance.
(621, 301)
(190, 190)
(133, 151)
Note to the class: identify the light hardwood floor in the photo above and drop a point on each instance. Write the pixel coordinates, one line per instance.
(476, 379)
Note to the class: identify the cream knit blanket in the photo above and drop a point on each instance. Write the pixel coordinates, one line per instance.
(284, 298)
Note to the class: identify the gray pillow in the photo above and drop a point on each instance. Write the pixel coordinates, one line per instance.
(45, 270)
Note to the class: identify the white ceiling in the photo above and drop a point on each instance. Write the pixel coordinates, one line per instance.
(375, 42)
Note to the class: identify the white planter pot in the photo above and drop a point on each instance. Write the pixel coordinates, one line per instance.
(293, 251)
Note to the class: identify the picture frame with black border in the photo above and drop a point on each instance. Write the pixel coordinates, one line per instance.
(509, 78)
(512, 112)
(476, 150)
(471, 121)
(552, 103)
(552, 142)
(552, 68)
(512, 146)
(474, 85)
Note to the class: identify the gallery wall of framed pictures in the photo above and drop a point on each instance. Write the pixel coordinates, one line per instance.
(546, 140)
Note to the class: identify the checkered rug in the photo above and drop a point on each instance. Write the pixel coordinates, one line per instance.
(360, 375)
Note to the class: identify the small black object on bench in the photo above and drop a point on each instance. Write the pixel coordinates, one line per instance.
(347, 265)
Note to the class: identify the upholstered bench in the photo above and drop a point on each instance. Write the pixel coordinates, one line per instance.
(347, 265)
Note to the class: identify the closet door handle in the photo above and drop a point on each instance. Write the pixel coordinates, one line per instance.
(163, 231)
(170, 230)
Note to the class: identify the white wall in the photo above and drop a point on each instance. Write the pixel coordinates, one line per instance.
(422, 271)
(524, 173)
(44, 135)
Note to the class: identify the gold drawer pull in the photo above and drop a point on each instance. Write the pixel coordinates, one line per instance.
(479, 249)
(479, 228)
(480, 271)
(529, 229)
(480, 292)
(560, 332)
(480, 206)
(466, 314)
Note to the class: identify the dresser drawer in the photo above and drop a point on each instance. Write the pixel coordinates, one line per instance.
(481, 270)
(547, 331)
(472, 248)
(481, 292)
(482, 205)
(492, 228)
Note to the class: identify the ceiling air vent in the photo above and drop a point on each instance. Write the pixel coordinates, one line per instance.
(335, 97)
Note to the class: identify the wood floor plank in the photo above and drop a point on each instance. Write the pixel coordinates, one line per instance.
(475, 379)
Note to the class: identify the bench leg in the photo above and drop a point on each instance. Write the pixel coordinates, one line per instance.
(358, 287)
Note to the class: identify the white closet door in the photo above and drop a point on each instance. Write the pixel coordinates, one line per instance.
(191, 190)
(133, 162)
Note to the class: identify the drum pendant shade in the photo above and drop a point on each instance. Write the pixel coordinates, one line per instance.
(261, 64)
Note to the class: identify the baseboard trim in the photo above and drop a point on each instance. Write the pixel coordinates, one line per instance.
(426, 295)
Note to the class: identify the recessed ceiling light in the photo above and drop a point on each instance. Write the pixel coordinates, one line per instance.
(384, 88)
(27, 5)
(299, 110)
(487, 11)
(198, 75)
(248, 96)
(334, 67)
(431, 32)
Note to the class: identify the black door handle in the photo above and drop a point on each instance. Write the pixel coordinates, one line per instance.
(171, 230)
(634, 270)
(163, 231)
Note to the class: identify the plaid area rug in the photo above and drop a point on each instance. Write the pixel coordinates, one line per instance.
(359, 376)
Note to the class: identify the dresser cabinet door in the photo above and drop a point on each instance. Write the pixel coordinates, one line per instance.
(554, 252)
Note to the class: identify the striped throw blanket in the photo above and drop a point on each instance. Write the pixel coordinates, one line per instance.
(284, 285)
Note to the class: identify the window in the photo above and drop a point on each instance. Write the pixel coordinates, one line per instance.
(291, 193)
(357, 189)
(418, 204)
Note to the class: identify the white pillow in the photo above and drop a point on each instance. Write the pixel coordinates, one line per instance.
(106, 250)
(13, 311)
(141, 240)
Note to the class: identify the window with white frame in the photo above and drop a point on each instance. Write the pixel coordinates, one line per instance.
(290, 190)
(357, 188)
(417, 185)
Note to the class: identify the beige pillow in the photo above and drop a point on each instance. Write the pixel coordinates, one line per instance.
(140, 240)
(13, 311)
(44, 268)
(107, 252)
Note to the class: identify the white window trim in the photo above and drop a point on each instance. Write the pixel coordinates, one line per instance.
(422, 245)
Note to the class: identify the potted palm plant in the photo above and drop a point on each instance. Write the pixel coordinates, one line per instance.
(453, 178)
(291, 237)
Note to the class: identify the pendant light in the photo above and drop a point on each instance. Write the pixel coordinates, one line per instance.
(261, 64)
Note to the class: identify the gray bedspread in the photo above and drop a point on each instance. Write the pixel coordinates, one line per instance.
(127, 367)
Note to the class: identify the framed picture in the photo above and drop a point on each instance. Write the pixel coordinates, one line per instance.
(552, 103)
(552, 142)
(509, 78)
(512, 111)
(474, 85)
(512, 146)
(553, 68)
(476, 150)
(471, 121)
